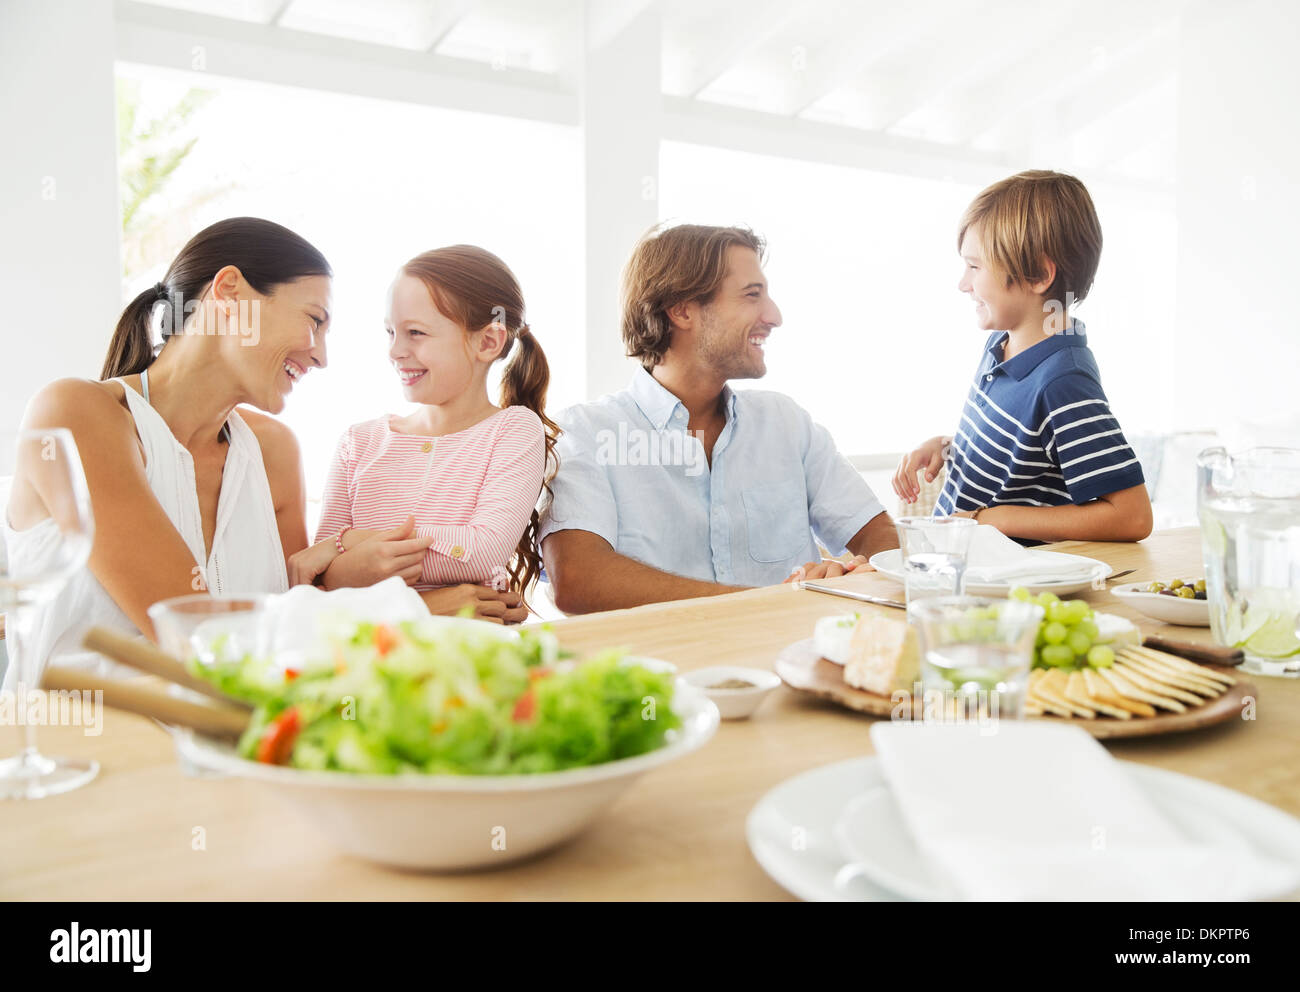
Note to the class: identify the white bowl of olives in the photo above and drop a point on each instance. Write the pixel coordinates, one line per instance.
(1179, 601)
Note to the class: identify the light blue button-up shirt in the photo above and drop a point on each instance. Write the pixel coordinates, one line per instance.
(632, 473)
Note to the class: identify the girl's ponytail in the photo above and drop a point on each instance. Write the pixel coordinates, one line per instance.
(523, 383)
(131, 350)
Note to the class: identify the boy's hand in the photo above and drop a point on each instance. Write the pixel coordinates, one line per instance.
(929, 456)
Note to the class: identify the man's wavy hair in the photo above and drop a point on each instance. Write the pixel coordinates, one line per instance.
(670, 266)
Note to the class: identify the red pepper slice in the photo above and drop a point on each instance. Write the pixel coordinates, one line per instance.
(278, 739)
(385, 639)
(525, 707)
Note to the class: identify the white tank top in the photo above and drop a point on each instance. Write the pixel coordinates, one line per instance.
(246, 557)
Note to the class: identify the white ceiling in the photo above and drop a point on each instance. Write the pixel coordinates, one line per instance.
(1009, 76)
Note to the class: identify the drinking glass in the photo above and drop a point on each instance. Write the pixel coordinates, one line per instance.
(976, 654)
(1249, 508)
(42, 471)
(934, 555)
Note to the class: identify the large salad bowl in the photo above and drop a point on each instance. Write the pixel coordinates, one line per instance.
(450, 821)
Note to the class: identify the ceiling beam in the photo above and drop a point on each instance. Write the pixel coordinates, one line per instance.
(889, 28)
(1008, 100)
(443, 20)
(964, 51)
(277, 11)
(189, 42)
(750, 26)
(715, 126)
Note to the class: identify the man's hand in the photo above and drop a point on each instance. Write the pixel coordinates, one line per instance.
(830, 568)
(929, 456)
(487, 603)
(384, 554)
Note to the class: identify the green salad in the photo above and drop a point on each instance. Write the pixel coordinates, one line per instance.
(430, 698)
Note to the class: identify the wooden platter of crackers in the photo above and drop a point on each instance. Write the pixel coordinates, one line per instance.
(1146, 692)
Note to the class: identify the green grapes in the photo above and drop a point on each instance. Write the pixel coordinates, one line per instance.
(1068, 634)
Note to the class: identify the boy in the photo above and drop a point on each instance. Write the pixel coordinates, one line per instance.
(1037, 454)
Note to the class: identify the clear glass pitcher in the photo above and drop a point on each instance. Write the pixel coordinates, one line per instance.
(1249, 508)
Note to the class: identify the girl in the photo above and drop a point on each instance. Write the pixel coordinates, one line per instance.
(445, 496)
(189, 495)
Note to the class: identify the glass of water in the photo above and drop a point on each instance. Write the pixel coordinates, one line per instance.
(975, 655)
(1249, 507)
(46, 537)
(934, 555)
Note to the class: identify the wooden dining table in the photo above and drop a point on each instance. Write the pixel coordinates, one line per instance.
(143, 829)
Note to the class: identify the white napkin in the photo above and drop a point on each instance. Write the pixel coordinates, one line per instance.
(296, 627)
(994, 558)
(1034, 812)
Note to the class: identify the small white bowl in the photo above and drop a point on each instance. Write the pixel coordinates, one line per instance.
(734, 704)
(1170, 609)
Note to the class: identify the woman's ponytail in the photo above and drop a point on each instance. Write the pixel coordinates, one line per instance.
(131, 350)
(266, 254)
(523, 383)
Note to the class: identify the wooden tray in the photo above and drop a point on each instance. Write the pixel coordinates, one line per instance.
(802, 668)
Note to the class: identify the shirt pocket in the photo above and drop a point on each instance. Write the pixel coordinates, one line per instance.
(776, 516)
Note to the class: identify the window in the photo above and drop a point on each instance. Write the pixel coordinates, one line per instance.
(372, 183)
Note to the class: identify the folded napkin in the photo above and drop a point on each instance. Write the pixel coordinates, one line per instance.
(994, 558)
(296, 627)
(299, 624)
(1036, 812)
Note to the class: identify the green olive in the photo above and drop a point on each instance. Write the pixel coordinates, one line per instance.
(1200, 585)
(1186, 592)
(1155, 587)
(1176, 584)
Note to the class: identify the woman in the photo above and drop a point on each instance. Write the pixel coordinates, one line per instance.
(466, 471)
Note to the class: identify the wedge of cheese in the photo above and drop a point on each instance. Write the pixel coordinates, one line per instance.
(884, 655)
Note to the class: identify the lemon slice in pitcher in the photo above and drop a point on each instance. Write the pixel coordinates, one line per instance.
(1277, 638)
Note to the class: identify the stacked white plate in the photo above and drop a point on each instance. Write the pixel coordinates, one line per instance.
(836, 834)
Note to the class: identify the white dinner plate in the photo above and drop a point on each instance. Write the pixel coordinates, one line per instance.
(1089, 570)
(829, 835)
(1170, 609)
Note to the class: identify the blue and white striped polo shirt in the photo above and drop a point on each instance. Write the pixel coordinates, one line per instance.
(1037, 431)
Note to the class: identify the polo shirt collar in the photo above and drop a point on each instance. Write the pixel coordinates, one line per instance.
(659, 404)
(1017, 368)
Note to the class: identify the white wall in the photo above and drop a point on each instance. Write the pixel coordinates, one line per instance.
(59, 251)
(1235, 346)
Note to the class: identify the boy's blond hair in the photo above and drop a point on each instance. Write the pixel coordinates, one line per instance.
(1036, 214)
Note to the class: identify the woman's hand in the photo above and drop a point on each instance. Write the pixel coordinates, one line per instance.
(929, 456)
(487, 603)
(384, 554)
(310, 562)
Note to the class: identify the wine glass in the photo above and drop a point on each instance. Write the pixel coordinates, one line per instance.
(45, 539)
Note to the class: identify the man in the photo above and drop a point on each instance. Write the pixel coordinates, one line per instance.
(678, 486)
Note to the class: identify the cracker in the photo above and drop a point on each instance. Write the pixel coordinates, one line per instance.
(1184, 667)
(1144, 680)
(1099, 688)
(1164, 676)
(1128, 690)
(1052, 686)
